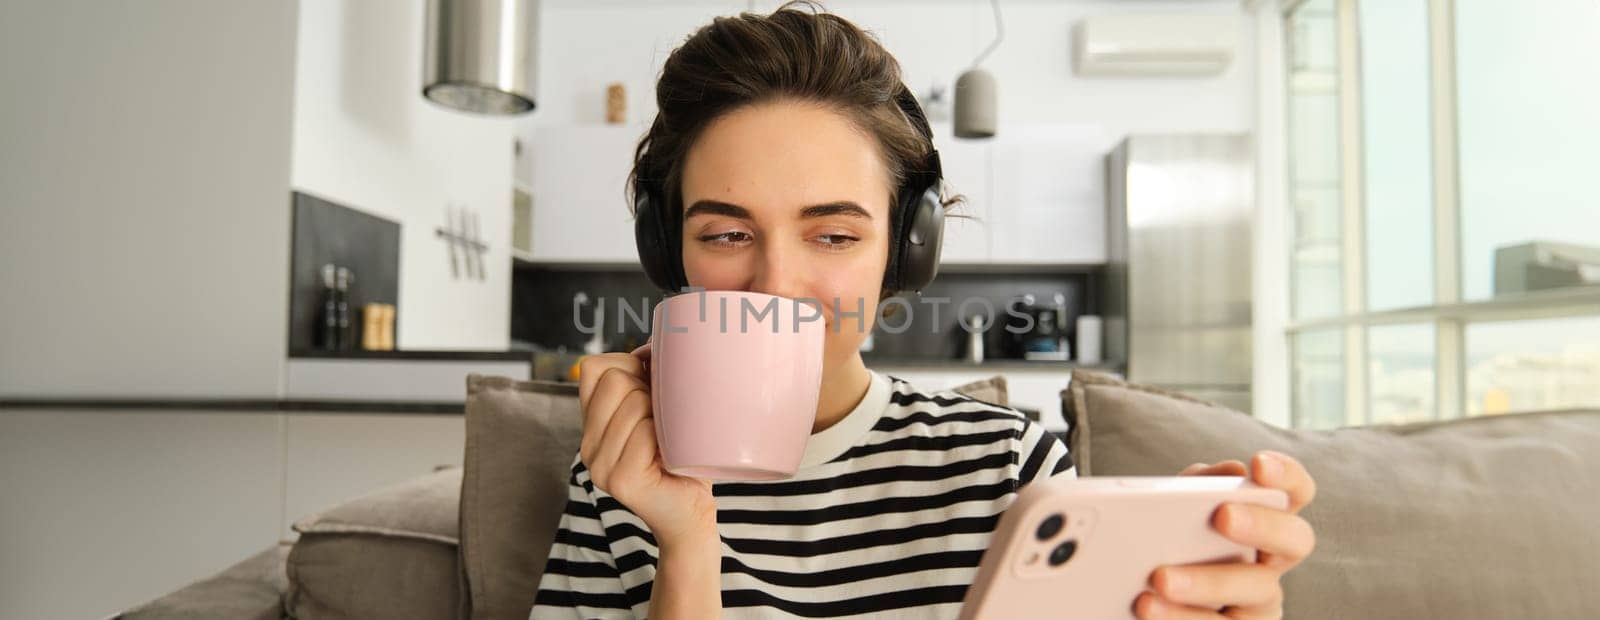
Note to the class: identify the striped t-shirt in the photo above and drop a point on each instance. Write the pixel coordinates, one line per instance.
(889, 515)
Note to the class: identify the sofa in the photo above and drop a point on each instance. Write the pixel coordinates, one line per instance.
(1492, 517)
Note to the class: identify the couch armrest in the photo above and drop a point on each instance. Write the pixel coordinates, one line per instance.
(252, 589)
(392, 553)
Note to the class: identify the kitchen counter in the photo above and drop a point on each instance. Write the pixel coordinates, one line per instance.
(392, 382)
(385, 390)
(995, 364)
(413, 355)
(395, 376)
(245, 405)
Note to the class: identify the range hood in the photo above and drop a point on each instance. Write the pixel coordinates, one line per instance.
(479, 55)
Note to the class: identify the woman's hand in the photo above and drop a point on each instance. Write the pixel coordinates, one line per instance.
(1281, 538)
(619, 448)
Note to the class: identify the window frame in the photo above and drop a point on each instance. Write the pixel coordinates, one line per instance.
(1448, 313)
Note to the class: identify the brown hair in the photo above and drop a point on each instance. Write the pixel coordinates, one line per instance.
(749, 59)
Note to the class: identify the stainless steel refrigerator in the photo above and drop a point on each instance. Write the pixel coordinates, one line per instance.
(1178, 279)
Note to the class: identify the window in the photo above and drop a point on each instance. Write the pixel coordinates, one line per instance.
(1397, 160)
(1319, 378)
(1314, 161)
(1532, 365)
(1400, 373)
(1529, 88)
(1444, 238)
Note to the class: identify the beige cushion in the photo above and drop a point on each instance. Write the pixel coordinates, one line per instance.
(388, 554)
(1494, 517)
(991, 390)
(521, 438)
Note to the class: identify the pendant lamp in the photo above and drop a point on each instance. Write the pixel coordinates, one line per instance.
(975, 101)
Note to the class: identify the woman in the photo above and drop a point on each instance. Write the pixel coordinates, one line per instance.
(779, 147)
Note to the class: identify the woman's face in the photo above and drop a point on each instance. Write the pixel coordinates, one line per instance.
(790, 199)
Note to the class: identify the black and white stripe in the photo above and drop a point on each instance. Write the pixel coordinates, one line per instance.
(893, 524)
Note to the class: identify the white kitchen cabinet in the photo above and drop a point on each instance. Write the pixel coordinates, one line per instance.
(1048, 196)
(580, 209)
(966, 172)
(106, 509)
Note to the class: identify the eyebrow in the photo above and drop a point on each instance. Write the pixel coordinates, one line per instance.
(717, 207)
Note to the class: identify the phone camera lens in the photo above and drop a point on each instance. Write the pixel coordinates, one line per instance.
(1051, 526)
(1063, 552)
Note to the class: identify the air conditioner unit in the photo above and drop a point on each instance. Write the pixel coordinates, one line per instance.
(1155, 44)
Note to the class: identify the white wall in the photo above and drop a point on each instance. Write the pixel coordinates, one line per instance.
(145, 173)
(144, 197)
(583, 46)
(365, 137)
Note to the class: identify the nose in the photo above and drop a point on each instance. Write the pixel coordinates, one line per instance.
(779, 271)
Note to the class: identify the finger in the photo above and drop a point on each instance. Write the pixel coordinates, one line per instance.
(1284, 539)
(1281, 471)
(1213, 586)
(589, 369)
(614, 385)
(1151, 606)
(641, 454)
(633, 408)
(605, 393)
(1225, 468)
(592, 368)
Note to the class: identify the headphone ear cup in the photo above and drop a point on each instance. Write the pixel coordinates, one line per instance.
(650, 241)
(919, 232)
(920, 245)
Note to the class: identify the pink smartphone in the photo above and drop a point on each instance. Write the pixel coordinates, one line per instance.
(1085, 547)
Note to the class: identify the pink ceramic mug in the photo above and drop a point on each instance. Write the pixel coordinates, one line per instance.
(734, 380)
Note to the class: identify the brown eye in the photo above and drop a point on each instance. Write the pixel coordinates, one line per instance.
(730, 238)
(836, 241)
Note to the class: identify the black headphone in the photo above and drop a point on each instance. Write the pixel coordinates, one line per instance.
(916, 226)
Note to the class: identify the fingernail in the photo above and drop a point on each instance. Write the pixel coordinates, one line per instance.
(1239, 518)
(1271, 466)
